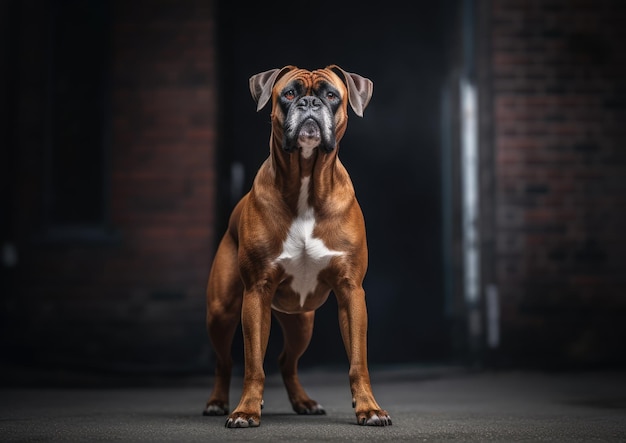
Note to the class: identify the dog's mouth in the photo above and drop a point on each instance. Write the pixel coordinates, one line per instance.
(309, 137)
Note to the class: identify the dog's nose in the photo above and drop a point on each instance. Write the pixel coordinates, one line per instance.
(309, 101)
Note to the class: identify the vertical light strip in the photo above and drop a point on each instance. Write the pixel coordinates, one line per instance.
(470, 201)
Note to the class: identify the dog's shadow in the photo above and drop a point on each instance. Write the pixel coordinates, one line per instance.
(274, 418)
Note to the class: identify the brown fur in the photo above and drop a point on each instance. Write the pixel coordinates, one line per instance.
(244, 281)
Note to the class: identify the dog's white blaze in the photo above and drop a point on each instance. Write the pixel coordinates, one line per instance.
(304, 256)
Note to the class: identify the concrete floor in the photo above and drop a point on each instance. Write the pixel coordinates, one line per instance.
(425, 405)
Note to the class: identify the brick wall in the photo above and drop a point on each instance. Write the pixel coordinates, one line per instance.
(135, 299)
(559, 104)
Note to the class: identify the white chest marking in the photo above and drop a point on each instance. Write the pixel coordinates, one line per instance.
(304, 256)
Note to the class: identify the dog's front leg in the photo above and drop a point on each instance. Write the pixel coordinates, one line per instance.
(353, 326)
(256, 321)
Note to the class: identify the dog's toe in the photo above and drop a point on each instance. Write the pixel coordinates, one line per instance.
(380, 418)
(309, 407)
(242, 422)
(316, 409)
(215, 409)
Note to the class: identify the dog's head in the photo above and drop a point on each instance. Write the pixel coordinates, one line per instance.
(309, 108)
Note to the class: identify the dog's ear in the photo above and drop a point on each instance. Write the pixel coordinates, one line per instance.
(360, 90)
(261, 85)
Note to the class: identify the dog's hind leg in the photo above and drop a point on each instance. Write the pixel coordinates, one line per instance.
(224, 299)
(297, 332)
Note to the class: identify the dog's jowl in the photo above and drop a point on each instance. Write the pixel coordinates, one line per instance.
(297, 235)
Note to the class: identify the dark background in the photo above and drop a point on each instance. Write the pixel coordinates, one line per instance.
(125, 127)
(392, 154)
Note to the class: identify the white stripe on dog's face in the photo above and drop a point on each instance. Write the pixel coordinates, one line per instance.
(304, 256)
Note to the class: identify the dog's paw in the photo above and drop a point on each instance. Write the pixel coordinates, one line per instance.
(310, 407)
(374, 418)
(213, 409)
(241, 420)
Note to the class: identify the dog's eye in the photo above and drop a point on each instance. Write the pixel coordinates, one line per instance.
(331, 95)
(290, 94)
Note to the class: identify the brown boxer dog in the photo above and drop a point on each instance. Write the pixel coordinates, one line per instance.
(297, 235)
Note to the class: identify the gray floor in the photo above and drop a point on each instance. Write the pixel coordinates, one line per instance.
(425, 404)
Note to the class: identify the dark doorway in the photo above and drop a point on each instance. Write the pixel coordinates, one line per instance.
(392, 154)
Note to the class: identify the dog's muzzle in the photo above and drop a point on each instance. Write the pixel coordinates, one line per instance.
(309, 124)
(309, 135)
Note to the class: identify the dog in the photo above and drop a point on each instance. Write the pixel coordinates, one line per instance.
(297, 235)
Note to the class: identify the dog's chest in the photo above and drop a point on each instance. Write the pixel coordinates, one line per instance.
(303, 256)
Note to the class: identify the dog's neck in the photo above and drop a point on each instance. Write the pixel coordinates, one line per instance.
(288, 169)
